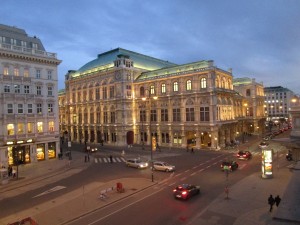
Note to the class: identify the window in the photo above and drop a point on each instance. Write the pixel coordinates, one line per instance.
(29, 108)
(5, 70)
(188, 85)
(204, 113)
(26, 73)
(142, 115)
(164, 115)
(152, 90)
(104, 93)
(97, 94)
(49, 75)
(203, 82)
(39, 108)
(38, 74)
(175, 86)
(50, 108)
(163, 88)
(248, 92)
(50, 91)
(21, 128)
(112, 117)
(16, 72)
(105, 117)
(128, 91)
(91, 94)
(39, 90)
(20, 108)
(142, 91)
(10, 108)
(30, 127)
(98, 116)
(26, 89)
(7, 88)
(10, 129)
(153, 115)
(39, 127)
(17, 88)
(190, 116)
(91, 116)
(51, 126)
(111, 91)
(176, 115)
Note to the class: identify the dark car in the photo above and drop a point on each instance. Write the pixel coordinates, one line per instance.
(185, 191)
(229, 165)
(244, 155)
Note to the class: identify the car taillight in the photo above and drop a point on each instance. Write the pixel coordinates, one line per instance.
(184, 193)
(174, 190)
(229, 167)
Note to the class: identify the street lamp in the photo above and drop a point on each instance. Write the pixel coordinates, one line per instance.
(150, 131)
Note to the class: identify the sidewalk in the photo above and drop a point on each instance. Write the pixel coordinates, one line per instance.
(246, 205)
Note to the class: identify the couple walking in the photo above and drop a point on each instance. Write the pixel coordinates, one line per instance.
(272, 201)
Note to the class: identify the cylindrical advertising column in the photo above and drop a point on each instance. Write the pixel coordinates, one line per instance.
(267, 163)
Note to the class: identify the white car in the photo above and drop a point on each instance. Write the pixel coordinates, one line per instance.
(163, 166)
(136, 163)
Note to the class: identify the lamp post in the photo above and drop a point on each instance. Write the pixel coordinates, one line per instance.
(150, 131)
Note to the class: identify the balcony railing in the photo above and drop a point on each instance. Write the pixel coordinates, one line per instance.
(30, 51)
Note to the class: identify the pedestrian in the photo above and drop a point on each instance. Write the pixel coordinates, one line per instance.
(192, 150)
(111, 159)
(157, 146)
(277, 200)
(271, 202)
(9, 170)
(187, 148)
(14, 172)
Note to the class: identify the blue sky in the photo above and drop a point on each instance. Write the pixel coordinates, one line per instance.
(257, 39)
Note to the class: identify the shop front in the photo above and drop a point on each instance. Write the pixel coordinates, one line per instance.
(51, 150)
(18, 154)
(40, 152)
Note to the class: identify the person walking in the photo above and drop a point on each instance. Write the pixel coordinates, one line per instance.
(192, 150)
(271, 202)
(277, 200)
(111, 159)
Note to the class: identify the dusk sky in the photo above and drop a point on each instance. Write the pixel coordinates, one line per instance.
(258, 39)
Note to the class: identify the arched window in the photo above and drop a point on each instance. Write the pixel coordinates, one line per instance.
(163, 88)
(175, 86)
(188, 85)
(203, 83)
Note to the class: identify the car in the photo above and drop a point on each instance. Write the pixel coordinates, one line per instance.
(229, 165)
(185, 191)
(136, 163)
(244, 155)
(263, 144)
(163, 166)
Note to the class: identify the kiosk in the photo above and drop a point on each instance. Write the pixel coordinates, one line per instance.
(267, 163)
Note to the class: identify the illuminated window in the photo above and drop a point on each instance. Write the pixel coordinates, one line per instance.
(203, 83)
(188, 85)
(51, 126)
(152, 90)
(175, 86)
(26, 73)
(5, 70)
(40, 127)
(16, 71)
(163, 88)
(21, 128)
(30, 127)
(10, 129)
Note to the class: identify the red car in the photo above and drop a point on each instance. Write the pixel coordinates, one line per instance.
(244, 155)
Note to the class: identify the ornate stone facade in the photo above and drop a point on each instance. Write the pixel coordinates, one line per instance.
(111, 99)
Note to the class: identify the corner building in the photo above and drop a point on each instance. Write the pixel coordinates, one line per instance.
(29, 110)
(123, 98)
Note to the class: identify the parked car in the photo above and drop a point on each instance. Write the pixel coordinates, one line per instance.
(185, 191)
(229, 165)
(136, 163)
(244, 155)
(263, 144)
(163, 166)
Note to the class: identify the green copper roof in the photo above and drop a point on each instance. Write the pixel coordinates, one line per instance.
(106, 61)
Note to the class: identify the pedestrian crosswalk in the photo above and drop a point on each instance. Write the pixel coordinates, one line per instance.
(107, 160)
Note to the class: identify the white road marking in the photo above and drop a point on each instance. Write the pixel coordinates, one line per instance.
(57, 188)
